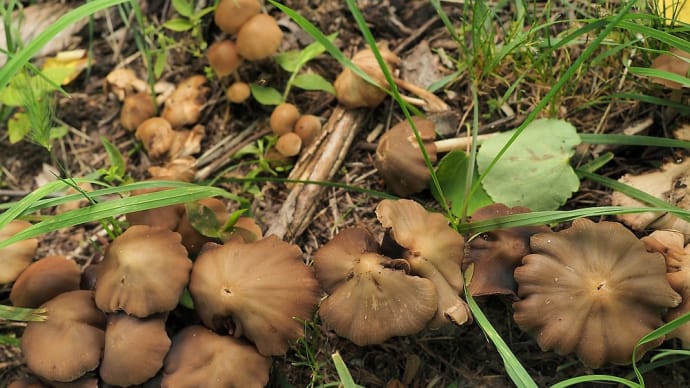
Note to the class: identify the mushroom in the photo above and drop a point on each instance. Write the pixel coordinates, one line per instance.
(371, 297)
(27, 382)
(70, 342)
(179, 169)
(139, 281)
(260, 290)
(223, 57)
(184, 105)
(156, 134)
(283, 118)
(230, 15)
(494, 255)
(200, 357)
(134, 349)
(16, 257)
(677, 62)
(289, 144)
(45, 279)
(259, 38)
(592, 289)
(433, 250)
(238, 92)
(137, 108)
(167, 217)
(307, 127)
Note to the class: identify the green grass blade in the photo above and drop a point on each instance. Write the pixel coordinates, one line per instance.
(681, 108)
(21, 314)
(654, 73)
(343, 373)
(20, 207)
(653, 336)
(633, 140)
(595, 378)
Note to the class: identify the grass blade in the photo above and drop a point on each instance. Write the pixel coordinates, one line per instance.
(595, 378)
(633, 140)
(21, 314)
(343, 373)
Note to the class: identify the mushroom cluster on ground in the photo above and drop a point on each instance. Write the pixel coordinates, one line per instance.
(295, 131)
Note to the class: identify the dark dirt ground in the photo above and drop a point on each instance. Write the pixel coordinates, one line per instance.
(461, 355)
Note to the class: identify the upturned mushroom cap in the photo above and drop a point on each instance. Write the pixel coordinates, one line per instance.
(594, 290)
(199, 357)
(45, 279)
(184, 105)
(70, 342)
(676, 62)
(283, 118)
(143, 272)
(255, 290)
(399, 159)
(156, 134)
(434, 251)
(354, 92)
(137, 108)
(497, 253)
(372, 298)
(259, 38)
(15, 257)
(230, 15)
(223, 57)
(134, 349)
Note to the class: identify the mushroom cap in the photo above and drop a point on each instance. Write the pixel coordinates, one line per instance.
(27, 382)
(136, 108)
(199, 356)
(594, 290)
(45, 279)
(16, 257)
(156, 134)
(307, 127)
(134, 349)
(223, 57)
(179, 169)
(256, 290)
(70, 342)
(230, 15)
(184, 105)
(259, 38)
(354, 92)
(677, 62)
(399, 160)
(238, 92)
(289, 144)
(283, 118)
(143, 272)
(497, 253)
(167, 217)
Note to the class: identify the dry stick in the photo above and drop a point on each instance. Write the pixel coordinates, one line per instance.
(319, 163)
(458, 143)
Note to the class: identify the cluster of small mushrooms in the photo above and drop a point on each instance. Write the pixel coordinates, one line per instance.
(295, 131)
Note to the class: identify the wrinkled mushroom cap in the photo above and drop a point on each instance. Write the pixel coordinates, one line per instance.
(44, 280)
(399, 159)
(137, 108)
(495, 254)
(16, 257)
(676, 62)
(156, 134)
(198, 356)
(70, 342)
(255, 290)
(259, 38)
(144, 272)
(184, 105)
(354, 92)
(134, 349)
(594, 290)
(372, 298)
(230, 15)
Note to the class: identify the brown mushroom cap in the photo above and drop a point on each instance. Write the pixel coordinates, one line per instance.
(307, 127)
(354, 92)
(259, 38)
(27, 382)
(289, 144)
(238, 92)
(223, 57)
(45, 279)
(134, 349)
(70, 342)
(199, 356)
(137, 108)
(399, 159)
(677, 62)
(15, 257)
(144, 272)
(255, 290)
(184, 105)
(594, 290)
(283, 118)
(497, 253)
(372, 298)
(230, 15)
(156, 134)
(167, 217)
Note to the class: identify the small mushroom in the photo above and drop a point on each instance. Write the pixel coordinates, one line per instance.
(200, 357)
(45, 279)
(223, 57)
(156, 134)
(371, 297)
(184, 105)
(283, 118)
(289, 144)
(677, 62)
(255, 290)
(70, 342)
(16, 257)
(134, 349)
(139, 281)
(136, 109)
(259, 38)
(592, 289)
(238, 92)
(307, 127)
(230, 15)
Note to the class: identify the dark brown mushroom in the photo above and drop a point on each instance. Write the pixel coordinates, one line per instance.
(592, 289)
(15, 257)
(45, 279)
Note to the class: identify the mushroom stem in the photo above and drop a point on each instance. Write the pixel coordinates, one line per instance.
(458, 143)
(431, 102)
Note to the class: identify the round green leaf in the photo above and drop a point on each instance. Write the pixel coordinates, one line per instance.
(452, 177)
(535, 171)
(265, 95)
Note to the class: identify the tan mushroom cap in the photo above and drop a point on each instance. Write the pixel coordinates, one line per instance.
(354, 92)
(184, 105)
(167, 217)
(677, 62)
(16, 257)
(497, 253)
(137, 108)
(283, 118)
(230, 15)
(70, 342)
(399, 159)
(372, 298)
(594, 290)
(199, 356)
(27, 382)
(45, 279)
(255, 290)
(238, 92)
(308, 128)
(289, 144)
(223, 57)
(144, 272)
(157, 135)
(134, 349)
(259, 38)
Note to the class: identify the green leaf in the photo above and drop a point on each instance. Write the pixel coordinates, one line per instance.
(58, 132)
(452, 176)
(292, 61)
(183, 7)
(21, 314)
(159, 64)
(343, 373)
(186, 299)
(117, 161)
(289, 60)
(203, 219)
(311, 81)
(18, 127)
(266, 95)
(178, 25)
(535, 171)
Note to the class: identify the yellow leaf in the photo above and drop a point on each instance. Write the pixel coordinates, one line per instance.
(66, 65)
(674, 10)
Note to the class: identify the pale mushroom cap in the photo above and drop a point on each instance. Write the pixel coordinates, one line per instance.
(399, 159)
(137, 108)
(198, 357)
(289, 144)
(70, 342)
(184, 106)
(223, 57)
(15, 257)
(677, 62)
(259, 38)
(230, 15)
(594, 290)
(44, 280)
(238, 92)
(156, 134)
(143, 281)
(134, 349)
(255, 290)
(354, 92)
(283, 118)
